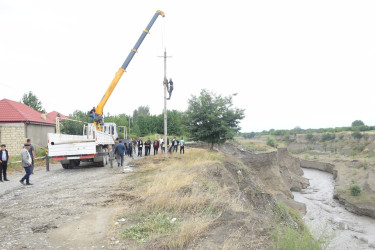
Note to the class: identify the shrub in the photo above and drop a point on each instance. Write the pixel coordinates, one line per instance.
(328, 136)
(357, 135)
(271, 142)
(310, 137)
(364, 165)
(355, 190)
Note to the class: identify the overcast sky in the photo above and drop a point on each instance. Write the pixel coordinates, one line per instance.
(293, 63)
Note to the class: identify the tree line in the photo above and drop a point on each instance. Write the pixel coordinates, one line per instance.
(356, 127)
(209, 117)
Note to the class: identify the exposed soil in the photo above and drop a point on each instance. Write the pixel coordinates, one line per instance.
(65, 208)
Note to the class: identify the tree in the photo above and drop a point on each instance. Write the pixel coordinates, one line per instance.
(141, 111)
(74, 127)
(211, 118)
(32, 101)
(358, 123)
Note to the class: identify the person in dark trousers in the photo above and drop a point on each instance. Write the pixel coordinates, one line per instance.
(119, 151)
(175, 146)
(130, 150)
(26, 163)
(140, 146)
(182, 145)
(170, 89)
(126, 148)
(134, 141)
(148, 147)
(4, 158)
(171, 148)
(32, 154)
(156, 146)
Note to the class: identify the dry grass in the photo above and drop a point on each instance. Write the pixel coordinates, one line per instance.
(255, 146)
(177, 187)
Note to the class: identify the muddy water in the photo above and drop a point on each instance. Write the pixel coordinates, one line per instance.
(328, 219)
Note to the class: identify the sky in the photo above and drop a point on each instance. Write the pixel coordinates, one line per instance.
(292, 63)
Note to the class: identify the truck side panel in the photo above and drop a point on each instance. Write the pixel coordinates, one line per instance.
(65, 145)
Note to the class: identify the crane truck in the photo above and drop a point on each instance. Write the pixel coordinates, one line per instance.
(98, 138)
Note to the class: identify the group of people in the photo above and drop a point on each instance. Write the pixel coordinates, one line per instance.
(130, 148)
(27, 156)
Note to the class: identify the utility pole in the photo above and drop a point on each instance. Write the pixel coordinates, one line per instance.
(165, 83)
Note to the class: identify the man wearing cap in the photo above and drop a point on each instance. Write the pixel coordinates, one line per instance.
(4, 158)
(26, 163)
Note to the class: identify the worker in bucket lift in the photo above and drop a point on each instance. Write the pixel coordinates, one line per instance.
(170, 88)
(92, 113)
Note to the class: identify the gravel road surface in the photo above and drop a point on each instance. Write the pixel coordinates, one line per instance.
(64, 209)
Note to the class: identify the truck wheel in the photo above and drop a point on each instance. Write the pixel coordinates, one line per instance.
(102, 162)
(65, 166)
(74, 163)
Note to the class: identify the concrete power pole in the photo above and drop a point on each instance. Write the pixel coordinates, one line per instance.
(165, 83)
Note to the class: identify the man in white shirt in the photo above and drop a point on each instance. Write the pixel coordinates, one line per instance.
(26, 163)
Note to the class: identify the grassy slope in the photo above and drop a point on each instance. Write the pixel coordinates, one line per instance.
(189, 199)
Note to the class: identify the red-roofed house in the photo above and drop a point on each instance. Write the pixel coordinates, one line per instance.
(19, 122)
(52, 115)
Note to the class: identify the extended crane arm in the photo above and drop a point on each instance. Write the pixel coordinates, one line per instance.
(98, 116)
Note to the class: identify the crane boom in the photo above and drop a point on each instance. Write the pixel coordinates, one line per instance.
(98, 114)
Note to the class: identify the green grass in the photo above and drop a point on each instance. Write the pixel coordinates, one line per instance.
(286, 236)
(147, 226)
(254, 146)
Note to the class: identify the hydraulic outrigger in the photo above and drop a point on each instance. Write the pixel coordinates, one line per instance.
(97, 114)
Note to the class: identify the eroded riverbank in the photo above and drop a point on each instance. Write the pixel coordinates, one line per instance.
(329, 220)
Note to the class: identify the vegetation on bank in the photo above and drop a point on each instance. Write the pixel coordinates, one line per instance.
(290, 232)
(357, 129)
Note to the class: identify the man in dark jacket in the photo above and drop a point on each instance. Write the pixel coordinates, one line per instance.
(32, 154)
(156, 146)
(147, 147)
(4, 158)
(140, 146)
(120, 150)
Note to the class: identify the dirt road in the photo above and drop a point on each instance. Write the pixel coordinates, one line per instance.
(65, 208)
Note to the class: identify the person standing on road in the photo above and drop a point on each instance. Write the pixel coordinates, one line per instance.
(148, 146)
(4, 158)
(140, 146)
(32, 154)
(130, 150)
(156, 146)
(175, 144)
(182, 145)
(119, 151)
(172, 145)
(26, 163)
(134, 145)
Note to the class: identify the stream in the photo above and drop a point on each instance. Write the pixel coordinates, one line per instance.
(328, 219)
